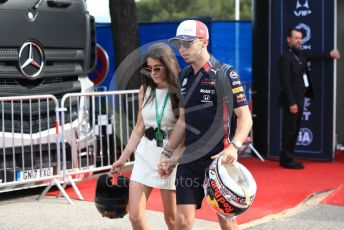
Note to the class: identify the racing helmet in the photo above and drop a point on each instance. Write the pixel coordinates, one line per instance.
(229, 189)
(111, 200)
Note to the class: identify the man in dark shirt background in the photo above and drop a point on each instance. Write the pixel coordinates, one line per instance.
(295, 85)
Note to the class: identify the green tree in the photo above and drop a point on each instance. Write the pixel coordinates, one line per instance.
(167, 10)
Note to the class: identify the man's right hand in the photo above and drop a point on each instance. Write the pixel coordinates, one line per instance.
(116, 168)
(294, 109)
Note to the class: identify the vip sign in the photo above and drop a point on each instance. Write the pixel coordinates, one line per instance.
(305, 137)
(302, 8)
(314, 19)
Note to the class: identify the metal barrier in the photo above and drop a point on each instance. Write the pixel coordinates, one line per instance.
(35, 150)
(29, 137)
(98, 135)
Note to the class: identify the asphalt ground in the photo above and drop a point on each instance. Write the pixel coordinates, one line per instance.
(21, 210)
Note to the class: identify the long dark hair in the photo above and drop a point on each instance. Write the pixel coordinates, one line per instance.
(165, 55)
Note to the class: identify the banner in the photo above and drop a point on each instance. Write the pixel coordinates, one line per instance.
(315, 18)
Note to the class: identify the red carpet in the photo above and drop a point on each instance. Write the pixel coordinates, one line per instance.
(278, 188)
(336, 197)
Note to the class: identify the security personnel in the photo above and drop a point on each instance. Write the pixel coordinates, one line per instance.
(295, 85)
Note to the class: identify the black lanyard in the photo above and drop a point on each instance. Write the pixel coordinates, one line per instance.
(298, 59)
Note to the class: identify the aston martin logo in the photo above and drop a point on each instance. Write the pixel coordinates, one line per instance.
(31, 59)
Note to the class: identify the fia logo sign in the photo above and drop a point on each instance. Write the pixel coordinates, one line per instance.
(305, 137)
(302, 8)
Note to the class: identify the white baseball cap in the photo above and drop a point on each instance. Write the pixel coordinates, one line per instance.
(189, 30)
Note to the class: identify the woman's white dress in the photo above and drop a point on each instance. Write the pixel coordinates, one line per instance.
(147, 154)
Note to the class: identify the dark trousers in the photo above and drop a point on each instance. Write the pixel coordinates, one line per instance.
(291, 127)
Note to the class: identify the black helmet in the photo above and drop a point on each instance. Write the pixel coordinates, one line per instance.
(111, 200)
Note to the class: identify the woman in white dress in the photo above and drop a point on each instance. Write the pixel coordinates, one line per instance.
(157, 101)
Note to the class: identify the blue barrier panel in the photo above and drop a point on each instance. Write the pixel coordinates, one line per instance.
(230, 42)
(159, 32)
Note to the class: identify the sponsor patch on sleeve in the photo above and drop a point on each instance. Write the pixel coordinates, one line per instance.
(236, 83)
(233, 74)
(238, 89)
(241, 98)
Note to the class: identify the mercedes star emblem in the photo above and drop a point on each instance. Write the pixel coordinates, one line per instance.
(31, 59)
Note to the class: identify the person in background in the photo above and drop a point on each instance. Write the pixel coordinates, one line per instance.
(295, 85)
(157, 99)
(199, 122)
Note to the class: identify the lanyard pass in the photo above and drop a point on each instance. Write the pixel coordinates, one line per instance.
(159, 137)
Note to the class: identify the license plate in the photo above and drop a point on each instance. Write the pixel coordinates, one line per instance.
(34, 174)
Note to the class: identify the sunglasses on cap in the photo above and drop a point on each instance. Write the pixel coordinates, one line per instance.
(155, 69)
(185, 44)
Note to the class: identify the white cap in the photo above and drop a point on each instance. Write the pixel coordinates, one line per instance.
(189, 30)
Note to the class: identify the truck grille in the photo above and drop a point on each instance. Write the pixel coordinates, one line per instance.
(55, 86)
(58, 62)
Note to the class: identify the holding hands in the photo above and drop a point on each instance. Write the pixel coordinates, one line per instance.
(167, 164)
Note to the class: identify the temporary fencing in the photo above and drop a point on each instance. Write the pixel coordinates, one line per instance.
(44, 143)
(29, 133)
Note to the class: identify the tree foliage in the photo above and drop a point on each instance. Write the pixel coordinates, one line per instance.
(167, 10)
